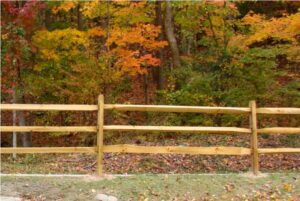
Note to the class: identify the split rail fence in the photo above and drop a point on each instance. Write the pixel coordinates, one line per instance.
(100, 149)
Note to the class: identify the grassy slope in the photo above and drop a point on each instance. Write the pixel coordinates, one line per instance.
(157, 187)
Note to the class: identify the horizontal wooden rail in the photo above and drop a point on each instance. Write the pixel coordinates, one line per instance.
(48, 128)
(270, 110)
(280, 130)
(48, 107)
(177, 129)
(147, 108)
(125, 107)
(169, 108)
(125, 148)
(149, 149)
(278, 150)
(133, 149)
(32, 150)
(124, 128)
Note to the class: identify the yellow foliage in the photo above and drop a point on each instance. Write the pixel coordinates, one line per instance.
(4, 36)
(65, 6)
(293, 52)
(217, 21)
(252, 19)
(88, 8)
(54, 45)
(127, 12)
(237, 41)
(284, 28)
(287, 187)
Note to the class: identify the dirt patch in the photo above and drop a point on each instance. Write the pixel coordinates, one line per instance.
(26, 189)
(253, 176)
(89, 178)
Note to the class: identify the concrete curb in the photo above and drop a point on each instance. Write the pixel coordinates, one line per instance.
(129, 175)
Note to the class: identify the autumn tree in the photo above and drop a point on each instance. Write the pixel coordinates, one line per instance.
(170, 33)
(17, 24)
(132, 43)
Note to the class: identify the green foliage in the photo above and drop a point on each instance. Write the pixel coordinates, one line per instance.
(58, 54)
(224, 74)
(291, 94)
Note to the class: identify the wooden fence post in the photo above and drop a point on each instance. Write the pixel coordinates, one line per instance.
(254, 141)
(100, 122)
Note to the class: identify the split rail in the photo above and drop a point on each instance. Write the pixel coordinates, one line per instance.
(252, 111)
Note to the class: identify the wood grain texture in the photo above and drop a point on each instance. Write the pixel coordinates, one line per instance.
(125, 148)
(171, 108)
(100, 135)
(254, 140)
(278, 150)
(219, 130)
(31, 150)
(147, 108)
(279, 130)
(48, 128)
(282, 110)
(48, 107)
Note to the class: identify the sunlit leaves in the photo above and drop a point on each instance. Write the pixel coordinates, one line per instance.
(60, 44)
(64, 6)
(96, 31)
(143, 34)
(284, 28)
(67, 65)
(129, 44)
(131, 13)
(128, 34)
(91, 9)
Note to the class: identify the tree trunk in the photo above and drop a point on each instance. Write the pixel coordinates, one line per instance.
(169, 30)
(212, 29)
(14, 141)
(146, 88)
(47, 21)
(20, 117)
(189, 45)
(80, 21)
(26, 137)
(160, 69)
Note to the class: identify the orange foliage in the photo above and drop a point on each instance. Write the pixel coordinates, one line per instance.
(130, 42)
(65, 6)
(96, 31)
(127, 41)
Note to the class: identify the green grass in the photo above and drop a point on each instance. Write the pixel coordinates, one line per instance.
(283, 186)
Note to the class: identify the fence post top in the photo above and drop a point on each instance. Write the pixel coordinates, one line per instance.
(252, 102)
(100, 97)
